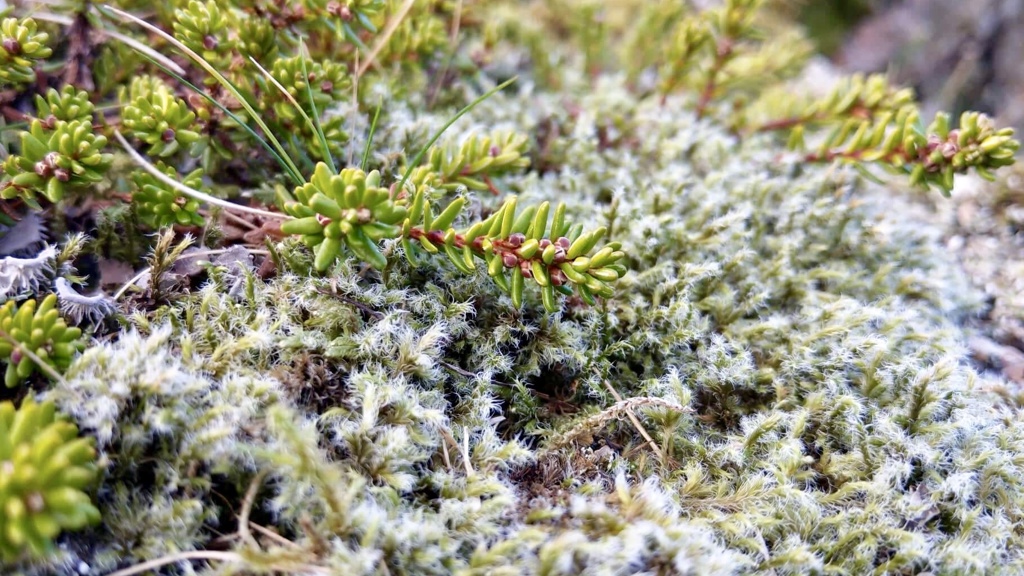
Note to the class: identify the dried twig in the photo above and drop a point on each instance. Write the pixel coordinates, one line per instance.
(636, 422)
(274, 536)
(385, 37)
(465, 455)
(243, 515)
(615, 412)
(178, 557)
(447, 458)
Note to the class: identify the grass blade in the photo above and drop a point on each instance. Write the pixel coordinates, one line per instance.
(191, 192)
(460, 114)
(295, 103)
(316, 114)
(217, 76)
(233, 116)
(369, 137)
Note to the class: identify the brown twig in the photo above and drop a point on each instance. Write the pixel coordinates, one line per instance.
(448, 61)
(615, 412)
(392, 25)
(636, 422)
(178, 557)
(354, 303)
(458, 370)
(243, 515)
(274, 536)
(784, 123)
(239, 220)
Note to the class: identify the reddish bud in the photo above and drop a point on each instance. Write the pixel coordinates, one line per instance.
(509, 260)
(557, 277)
(12, 46)
(168, 135)
(35, 502)
(516, 240)
(210, 43)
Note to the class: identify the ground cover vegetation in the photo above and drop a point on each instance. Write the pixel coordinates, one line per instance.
(482, 287)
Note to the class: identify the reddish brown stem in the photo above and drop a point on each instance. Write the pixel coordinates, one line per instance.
(722, 55)
(502, 247)
(490, 185)
(898, 152)
(785, 123)
(857, 111)
(13, 115)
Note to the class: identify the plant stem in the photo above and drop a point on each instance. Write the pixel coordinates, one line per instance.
(722, 55)
(190, 192)
(419, 156)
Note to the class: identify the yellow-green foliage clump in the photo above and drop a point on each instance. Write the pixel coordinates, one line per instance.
(22, 46)
(39, 330)
(45, 469)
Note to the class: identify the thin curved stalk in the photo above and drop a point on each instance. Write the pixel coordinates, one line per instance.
(124, 39)
(219, 77)
(191, 192)
(419, 156)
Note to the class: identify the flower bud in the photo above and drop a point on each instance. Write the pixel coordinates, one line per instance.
(516, 240)
(526, 269)
(12, 46)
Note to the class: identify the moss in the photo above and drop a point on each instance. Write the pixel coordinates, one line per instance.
(774, 379)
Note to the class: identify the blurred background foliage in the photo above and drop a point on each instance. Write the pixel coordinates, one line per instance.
(955, 54)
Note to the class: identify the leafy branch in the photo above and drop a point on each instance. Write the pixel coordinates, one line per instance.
(863, 121)
(929, 157)
(352, 210)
